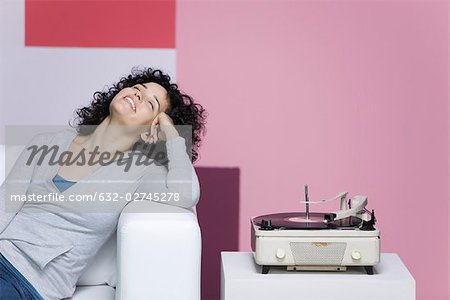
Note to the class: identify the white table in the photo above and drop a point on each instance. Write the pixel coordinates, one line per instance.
(241, 278)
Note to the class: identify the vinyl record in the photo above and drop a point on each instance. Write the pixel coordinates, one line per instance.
(298, 220)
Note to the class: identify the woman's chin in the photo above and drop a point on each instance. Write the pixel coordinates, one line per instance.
(121, 112)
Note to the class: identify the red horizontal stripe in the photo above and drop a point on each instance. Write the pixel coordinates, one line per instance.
(100, 23)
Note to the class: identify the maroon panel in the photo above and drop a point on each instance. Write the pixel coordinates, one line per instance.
(218, 215)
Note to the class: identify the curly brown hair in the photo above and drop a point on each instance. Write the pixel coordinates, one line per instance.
(182, 108)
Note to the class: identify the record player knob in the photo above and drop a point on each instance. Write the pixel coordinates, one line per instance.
(266, 225)
(280, 253)
(356, 255)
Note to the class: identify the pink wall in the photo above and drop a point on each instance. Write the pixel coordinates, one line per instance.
(340, 95)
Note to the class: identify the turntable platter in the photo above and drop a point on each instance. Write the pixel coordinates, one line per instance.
(298, 220)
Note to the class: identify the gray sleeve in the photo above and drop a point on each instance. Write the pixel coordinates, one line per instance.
(17, 182)
(180, 181)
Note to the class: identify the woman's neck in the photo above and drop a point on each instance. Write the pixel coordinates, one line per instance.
(111, 138)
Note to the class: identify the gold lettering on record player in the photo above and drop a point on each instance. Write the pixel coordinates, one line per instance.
(321, 244)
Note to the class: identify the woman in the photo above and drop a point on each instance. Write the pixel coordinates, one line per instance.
(135, 153)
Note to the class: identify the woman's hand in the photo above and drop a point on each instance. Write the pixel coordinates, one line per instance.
(162, 128)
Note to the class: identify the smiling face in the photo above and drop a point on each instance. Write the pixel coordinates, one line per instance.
(139, 104)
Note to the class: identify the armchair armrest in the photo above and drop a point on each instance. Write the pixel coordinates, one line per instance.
(158, 252)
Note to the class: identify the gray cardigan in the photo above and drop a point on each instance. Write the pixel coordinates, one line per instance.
(52, 242)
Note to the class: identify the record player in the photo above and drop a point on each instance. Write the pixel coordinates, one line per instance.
(316, 241)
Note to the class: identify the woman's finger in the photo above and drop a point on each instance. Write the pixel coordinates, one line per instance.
(152, 127)
(155, 133)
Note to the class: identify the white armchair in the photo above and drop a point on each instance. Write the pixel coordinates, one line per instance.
(155, 254)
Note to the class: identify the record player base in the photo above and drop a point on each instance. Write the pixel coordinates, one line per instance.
(241, 278)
